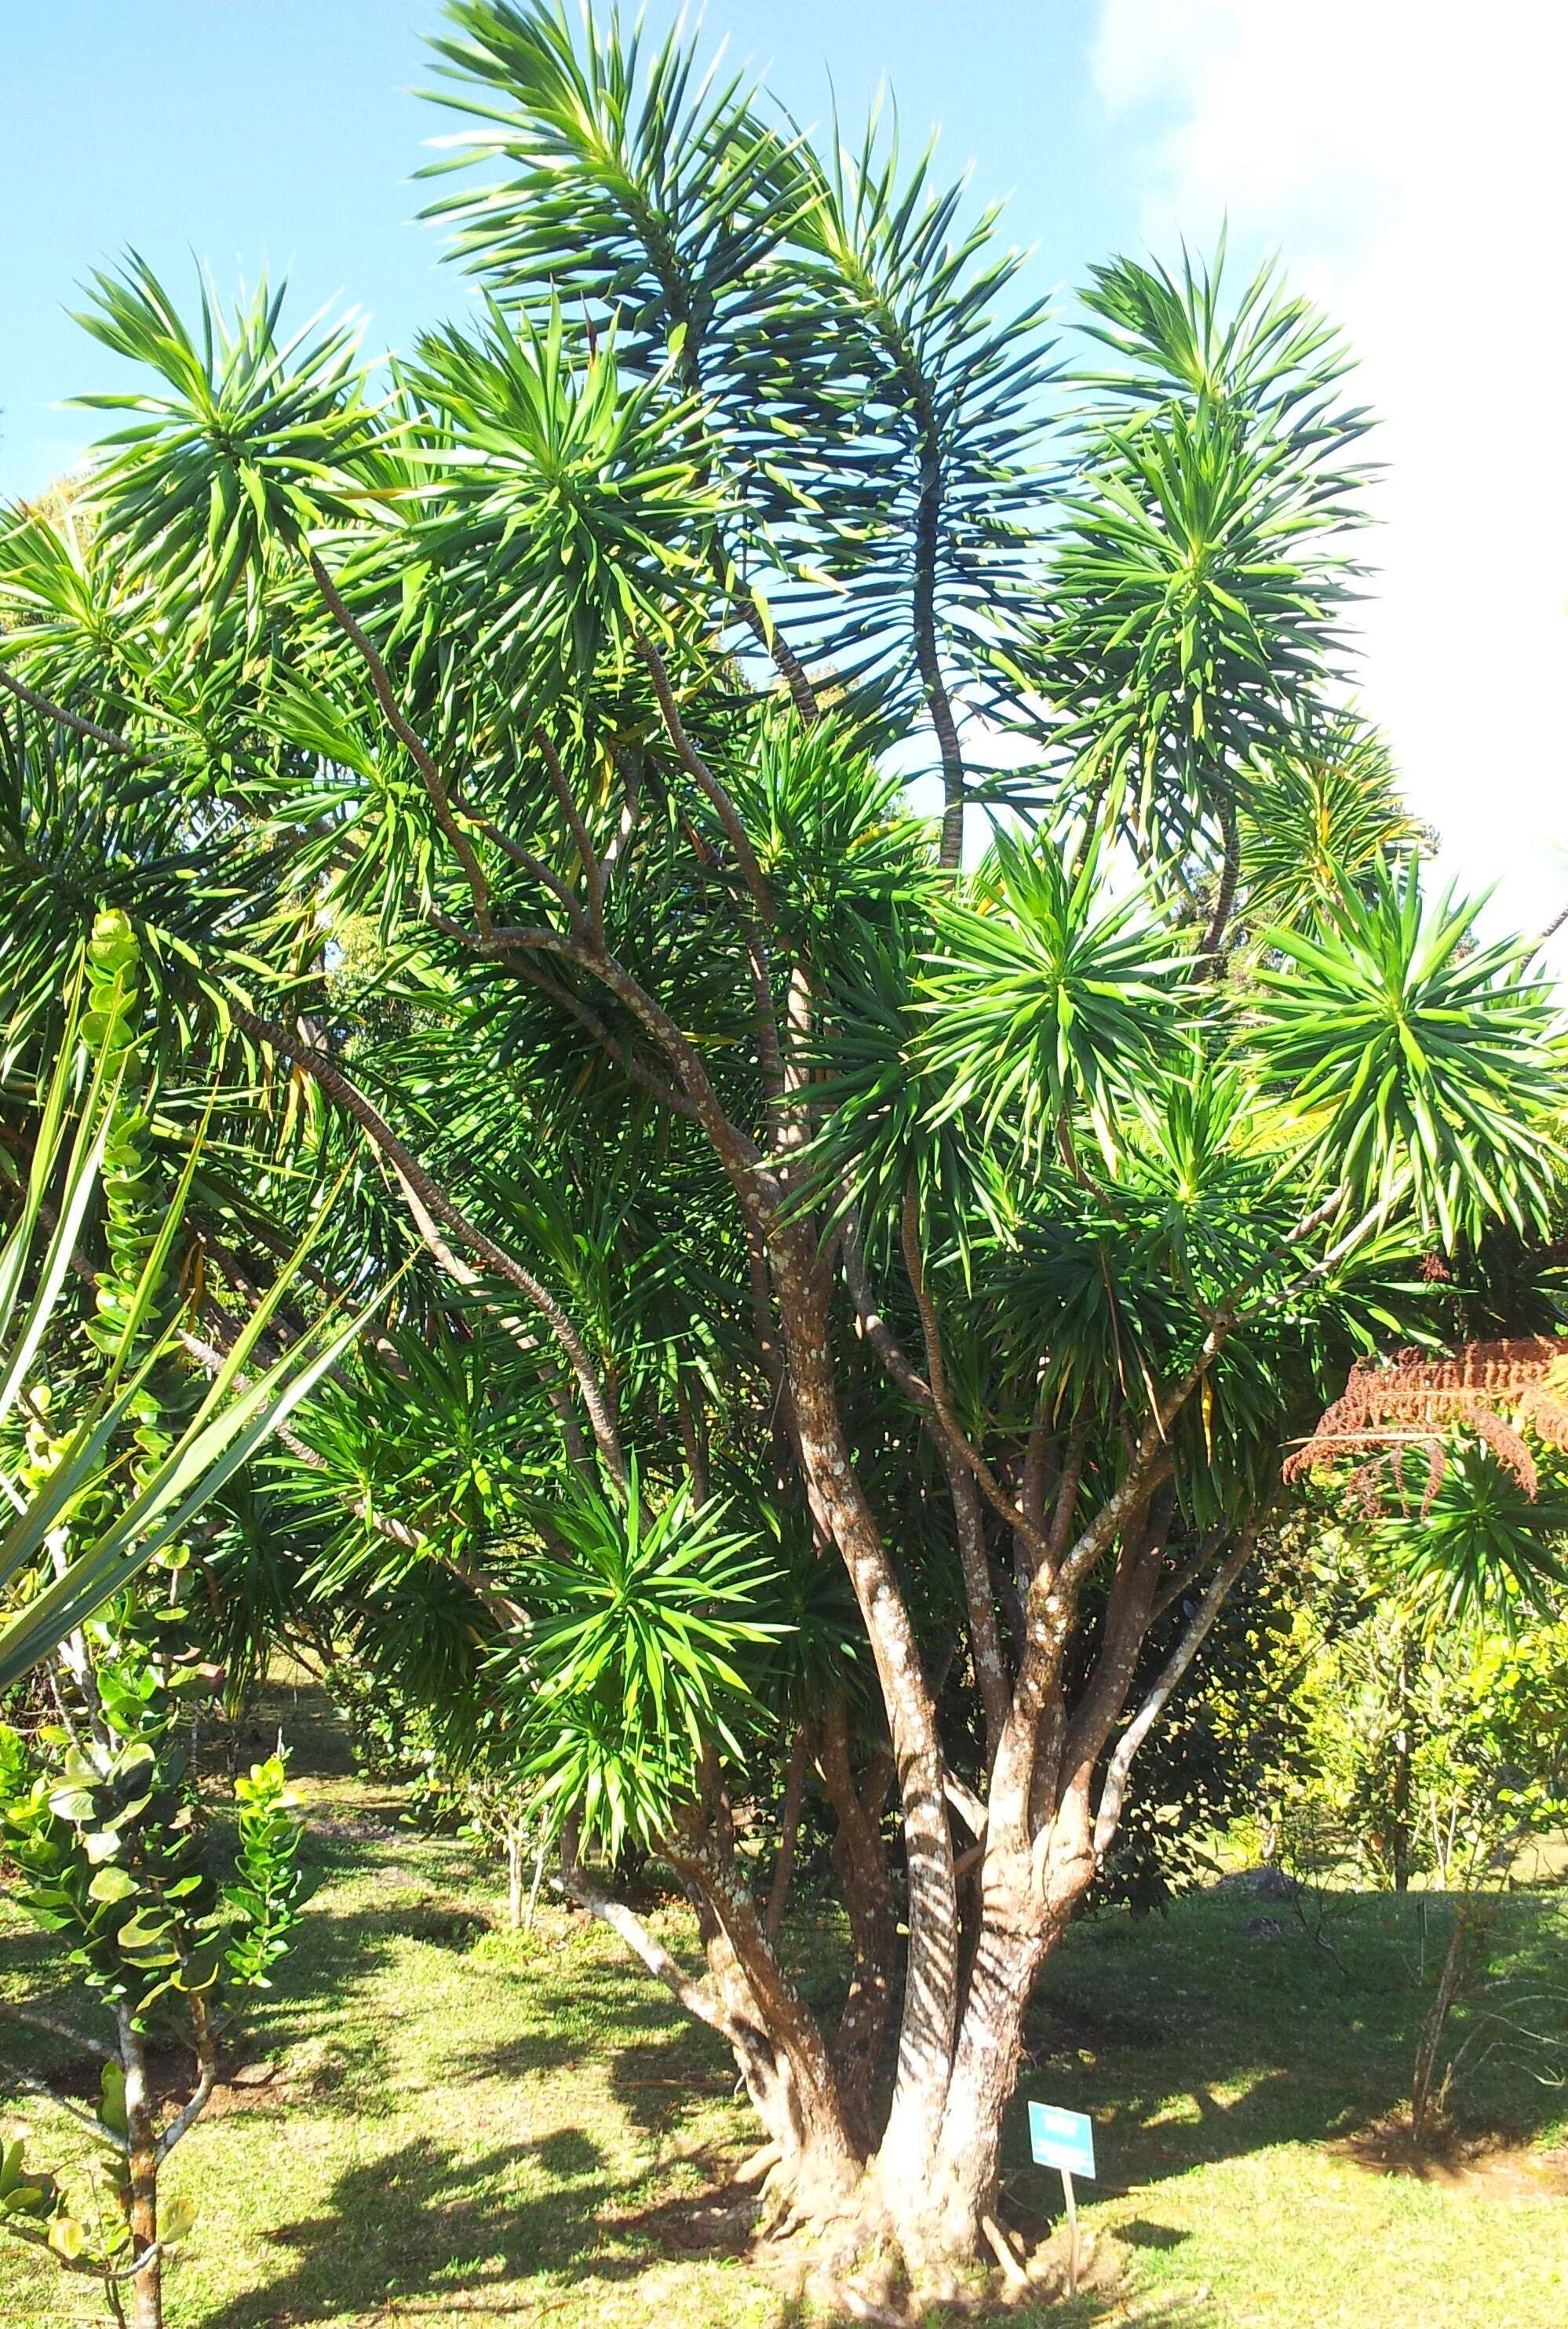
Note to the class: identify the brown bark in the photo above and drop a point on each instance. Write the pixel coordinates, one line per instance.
(789, 1830)
(426, 1199)
(928, 654)
(146, 2299)
(413, 744)
(778, 2042)
(840, 1509)
(1026, 1914)
(768, 635)
(66, 719)
(1225, 895)
(860, 1866)
(980, 1599)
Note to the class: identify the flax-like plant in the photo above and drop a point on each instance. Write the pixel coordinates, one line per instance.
(1480, 1547)
(1318, 818)
(88, 1520)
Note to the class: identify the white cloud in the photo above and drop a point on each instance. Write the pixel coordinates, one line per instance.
(1407, 162)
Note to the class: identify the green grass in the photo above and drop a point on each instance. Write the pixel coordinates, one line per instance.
(483, 2128)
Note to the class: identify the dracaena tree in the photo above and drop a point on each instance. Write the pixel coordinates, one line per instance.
(858, 1295)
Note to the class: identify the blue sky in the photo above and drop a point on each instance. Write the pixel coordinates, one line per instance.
(283, 132)
(1405, 163)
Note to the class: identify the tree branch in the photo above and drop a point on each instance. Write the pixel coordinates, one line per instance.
(413, 744)
(416, 1183)
(1115, 1788)
(206, 2079)
(39, 2017)
(758, 1189)
(72, 719)
(579, 1887)
(692, 761)
(579, 835)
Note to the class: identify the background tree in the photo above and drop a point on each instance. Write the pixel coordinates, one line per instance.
(819, 1243)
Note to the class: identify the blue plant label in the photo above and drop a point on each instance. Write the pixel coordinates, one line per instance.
(1062, 2138)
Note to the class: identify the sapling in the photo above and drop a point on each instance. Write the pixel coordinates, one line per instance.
(102, 1819)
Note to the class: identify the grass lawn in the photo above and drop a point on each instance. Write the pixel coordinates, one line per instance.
(464, 2125)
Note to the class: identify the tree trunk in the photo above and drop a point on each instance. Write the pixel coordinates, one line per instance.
(860, 1865)
(1029, 1899)
(146, 2296)
(840, 1510)
(777, 2045)
(1433, 2028)
(1399, 1822)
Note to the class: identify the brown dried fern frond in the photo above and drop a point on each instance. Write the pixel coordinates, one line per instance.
(1412, 1399)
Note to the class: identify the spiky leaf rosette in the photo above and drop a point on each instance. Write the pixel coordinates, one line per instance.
(1047, 997)
(1483, 1543)
(1419, 1061)
(1318, 816)
(643, 1610)
(253, 441)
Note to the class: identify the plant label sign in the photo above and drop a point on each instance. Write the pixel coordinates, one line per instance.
(1062, 2138)
(1065, 2139)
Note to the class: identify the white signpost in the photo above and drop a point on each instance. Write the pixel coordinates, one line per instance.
(1065, 2139)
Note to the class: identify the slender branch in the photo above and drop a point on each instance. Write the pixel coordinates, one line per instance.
(501, 1606)
(458, 1271)
(1127, 1618)
(1369, 1221)
(39, 2017)
(580, 833)
(74, 720)
(1303, 1229)
(755, 926)
(416, 1183)
(89, 2119)
(543, 873)
(206, 2079)
(789, 1829)
(413, 744)
(766, 634)
(928, 656)
(1188, 1573)
(874, 1326)
(620, 839)
(579, 1887)
(708, 784)
(1069, 1482)
(626, 1061)
(963, 1465)
(1042, 1468)
(1115, 1788)
(968, 1805)
(759, 1191)
(1225, 896)
(954, 1437)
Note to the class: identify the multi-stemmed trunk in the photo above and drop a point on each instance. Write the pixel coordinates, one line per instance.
(922, 2176)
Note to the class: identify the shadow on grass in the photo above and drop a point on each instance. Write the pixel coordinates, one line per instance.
(659, 2070)
(1193, 2041)
(420, 2231)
